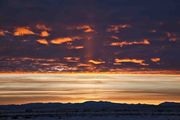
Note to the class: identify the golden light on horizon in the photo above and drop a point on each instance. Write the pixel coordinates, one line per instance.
(126, 88)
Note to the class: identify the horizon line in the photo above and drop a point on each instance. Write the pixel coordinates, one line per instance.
(95, 101)
(163, 72)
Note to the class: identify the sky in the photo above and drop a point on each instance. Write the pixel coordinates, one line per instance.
(75, 88)
(91, 36)
(79, 50)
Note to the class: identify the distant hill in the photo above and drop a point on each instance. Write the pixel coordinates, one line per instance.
(89, 106)
(169, 104)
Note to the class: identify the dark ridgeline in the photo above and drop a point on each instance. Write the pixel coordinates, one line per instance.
(90, 108)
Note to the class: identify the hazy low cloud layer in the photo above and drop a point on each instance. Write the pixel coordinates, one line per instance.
(26, 88)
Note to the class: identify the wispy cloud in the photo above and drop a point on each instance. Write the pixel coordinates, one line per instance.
(72, 59)
(43, 27)
(20, 88)
(171, 36)
(96, 62)
(136, 61)
(118, 28)
(85, 28)
(156, 60)
(76, 47)
(125, 43)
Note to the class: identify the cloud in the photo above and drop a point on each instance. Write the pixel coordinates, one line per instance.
(96, 62)
(61, 40)
(43, 41)
(44, 34)
(118, 28)
(21, 31)
(84, 65)
(115, 37)
(76, 47)
(71, 59)
(127, 60)
(2, 33)
(29, 87)
(85, 28)
(43, 27)
(171, 36)
(125, 43)
(155, 60)
(117, 32)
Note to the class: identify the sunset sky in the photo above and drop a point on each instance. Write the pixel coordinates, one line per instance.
(74, 43)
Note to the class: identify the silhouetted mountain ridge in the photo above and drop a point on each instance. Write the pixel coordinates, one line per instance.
(90, 106)
(170, 104)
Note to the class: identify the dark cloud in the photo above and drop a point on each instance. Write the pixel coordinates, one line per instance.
(93, 31)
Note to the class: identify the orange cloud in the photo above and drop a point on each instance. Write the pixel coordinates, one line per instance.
(84, 65)
(137, 61)
(86, 28)
(96, 62)
(44, 34)
(124, 43)
(61, 40)
(42, 27)
(117, 28)
(43, 41)
(72, 59)
(155, 60)
(76, 47)
(21, 31)
(2, 33)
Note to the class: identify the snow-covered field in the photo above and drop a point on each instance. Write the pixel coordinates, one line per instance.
(98, 118)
